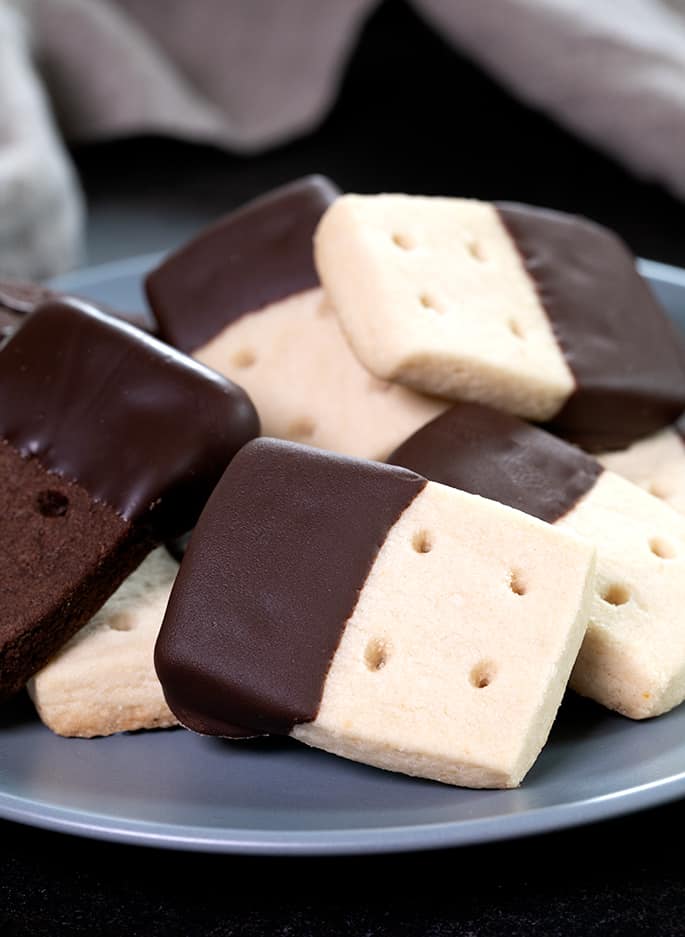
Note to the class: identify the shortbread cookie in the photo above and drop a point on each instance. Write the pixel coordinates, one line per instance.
(633, 656)
(110, 443)
(538, 313)
(103, 681)
(244, 298)
(656, 463)
(370, 613)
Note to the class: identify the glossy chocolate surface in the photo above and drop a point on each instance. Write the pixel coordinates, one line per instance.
(622, 350)
(273, 571)
(255, 256)
(495, 455)
(141, 427)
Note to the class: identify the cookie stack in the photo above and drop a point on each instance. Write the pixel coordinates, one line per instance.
(430, 541)
(110, 443)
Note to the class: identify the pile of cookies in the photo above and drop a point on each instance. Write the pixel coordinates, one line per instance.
(429, 452)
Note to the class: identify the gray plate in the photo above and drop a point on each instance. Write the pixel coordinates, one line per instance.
(178, 790)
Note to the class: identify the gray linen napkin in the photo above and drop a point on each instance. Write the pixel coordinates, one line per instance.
(41, 211)
(248, 74)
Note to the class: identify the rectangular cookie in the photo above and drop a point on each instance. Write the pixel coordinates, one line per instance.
(368, 612)
(633, 656)
(535, 312)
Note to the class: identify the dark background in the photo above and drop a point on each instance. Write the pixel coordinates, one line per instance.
(412, 116)
(623, 877)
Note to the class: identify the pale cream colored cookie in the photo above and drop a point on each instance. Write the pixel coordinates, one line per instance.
(457, 655)
(307, 385)
(633, 656)
(103, 681)
(656, 463)
(432, 292)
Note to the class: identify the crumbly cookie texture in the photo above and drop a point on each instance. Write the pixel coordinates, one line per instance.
(656, 463)
(308, 386)
(103, 681)
(458, 653)
(432, 293)
(633, 656)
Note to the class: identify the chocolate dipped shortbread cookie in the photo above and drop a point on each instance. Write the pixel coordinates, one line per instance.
(365, 611)
(633, 656)
(244, 298)
(110, 443)
(536, 312)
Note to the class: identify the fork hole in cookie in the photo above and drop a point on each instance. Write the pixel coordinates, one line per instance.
(303, 428)
(662, 548)
(476, 251)
(482, 674)
(121, 622)
(422, 541)
(376, 654)
(51, 503)
(244, 358)
(515, 328)
(517, 583)
(616, 594)
(429, 303)
(403, 241)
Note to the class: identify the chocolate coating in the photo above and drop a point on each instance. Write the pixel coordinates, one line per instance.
(495, 455)
(253, 257)
(620, 346)
(141, 427)
(273, 571)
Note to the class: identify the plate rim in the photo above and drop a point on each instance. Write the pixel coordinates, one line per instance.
(336, 842)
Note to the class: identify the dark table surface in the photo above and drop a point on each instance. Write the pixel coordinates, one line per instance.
(412, 116)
